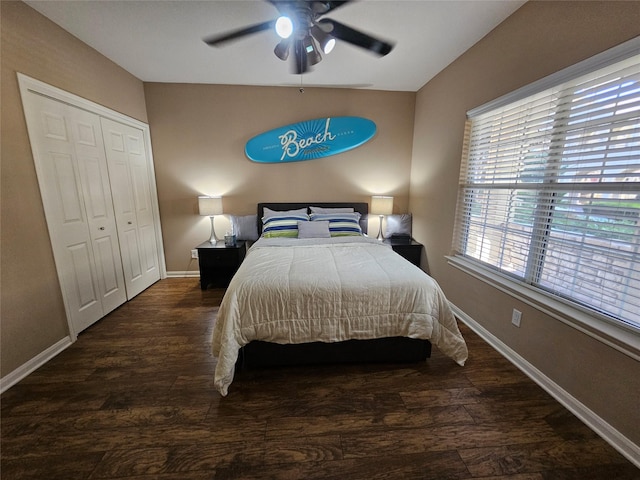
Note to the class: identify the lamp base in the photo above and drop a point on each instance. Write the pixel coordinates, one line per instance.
(380, 235)
(213, 238)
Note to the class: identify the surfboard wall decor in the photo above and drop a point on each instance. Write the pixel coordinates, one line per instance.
(310, 139)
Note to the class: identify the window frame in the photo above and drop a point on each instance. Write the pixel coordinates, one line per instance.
(623, 337)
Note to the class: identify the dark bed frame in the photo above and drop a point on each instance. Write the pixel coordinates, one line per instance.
(259, 354)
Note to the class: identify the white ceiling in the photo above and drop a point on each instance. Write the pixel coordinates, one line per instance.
(161, 40)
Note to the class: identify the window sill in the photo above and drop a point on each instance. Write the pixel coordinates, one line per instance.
(624, 339)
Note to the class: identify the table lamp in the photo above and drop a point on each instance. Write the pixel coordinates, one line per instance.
(381, 206)
(210, 206)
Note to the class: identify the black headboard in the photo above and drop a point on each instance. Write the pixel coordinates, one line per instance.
(360, 207)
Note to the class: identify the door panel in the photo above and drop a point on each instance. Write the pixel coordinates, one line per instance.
(148, 238)
(97, 196)
(65, 188)
(83, 275)
(54, 126)
(101, 218)
(130, 175)
(131, 247)
(60, 186)
(109, 270)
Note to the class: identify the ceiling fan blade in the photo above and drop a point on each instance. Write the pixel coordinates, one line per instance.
(216, 40)
(324, 7)
(356, 37)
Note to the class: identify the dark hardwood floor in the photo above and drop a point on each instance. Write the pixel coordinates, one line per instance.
(133, 399)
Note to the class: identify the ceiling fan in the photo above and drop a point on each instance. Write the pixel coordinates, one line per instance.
(303, 30)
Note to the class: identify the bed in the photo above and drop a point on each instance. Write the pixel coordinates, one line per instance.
(306, 295)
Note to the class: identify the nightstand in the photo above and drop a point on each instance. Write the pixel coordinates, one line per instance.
(409, 249)
(218, 263)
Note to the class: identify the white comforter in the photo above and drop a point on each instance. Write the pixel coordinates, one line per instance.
(329, 290)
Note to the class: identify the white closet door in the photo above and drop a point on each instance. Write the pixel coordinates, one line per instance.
(130, 174)
(73, 177)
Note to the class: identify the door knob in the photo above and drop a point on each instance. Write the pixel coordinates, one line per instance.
(129, 223)
(101, 228)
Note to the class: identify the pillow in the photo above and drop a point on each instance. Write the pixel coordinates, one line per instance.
(340, 224)
(328, 216)
(398, 225)
(331, 210)
(267, 212)
(244, 227)
(317, 229)
(282, 226)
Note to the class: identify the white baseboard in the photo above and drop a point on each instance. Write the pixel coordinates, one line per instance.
(36, 362)
(184, 274)
(613, 437)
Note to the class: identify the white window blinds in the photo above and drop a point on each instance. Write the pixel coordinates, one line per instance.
(550, 191)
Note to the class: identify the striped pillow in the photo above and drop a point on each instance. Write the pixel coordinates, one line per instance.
(340, 224)
(282, 226)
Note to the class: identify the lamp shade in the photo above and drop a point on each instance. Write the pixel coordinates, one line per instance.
(327, 42)
(284, 26)
(381, 205)
(282, 49)
(210, 205)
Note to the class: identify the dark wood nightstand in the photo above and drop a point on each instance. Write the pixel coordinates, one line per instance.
(409, 249)
(218, 263)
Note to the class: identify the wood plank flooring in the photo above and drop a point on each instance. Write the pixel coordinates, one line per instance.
(133, 399)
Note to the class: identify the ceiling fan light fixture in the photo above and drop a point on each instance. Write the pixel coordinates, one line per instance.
(284, 26)
(326, 41)
(313, 54)
(304, 35)
(328, 45)
(282, 49)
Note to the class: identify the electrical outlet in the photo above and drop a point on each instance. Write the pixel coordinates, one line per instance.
(516, 316)
(194, 253)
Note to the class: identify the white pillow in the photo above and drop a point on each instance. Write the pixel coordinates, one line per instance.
(332, 210)
(267, 212)
(314, 229)
(245, 227)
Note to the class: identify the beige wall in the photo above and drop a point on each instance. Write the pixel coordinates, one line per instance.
(537, 40)
(198, 134)
(31, 310)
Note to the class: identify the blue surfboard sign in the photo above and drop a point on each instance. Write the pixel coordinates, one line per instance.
(310, 139)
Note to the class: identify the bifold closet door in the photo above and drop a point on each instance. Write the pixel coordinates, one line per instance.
(130, 174)
(72, 171)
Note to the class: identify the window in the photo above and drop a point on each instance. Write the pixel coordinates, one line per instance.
(550, 189)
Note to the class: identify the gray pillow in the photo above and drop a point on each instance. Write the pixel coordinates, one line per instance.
(332, 210)
(245, 227)
(314, 229)
(398, 225)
